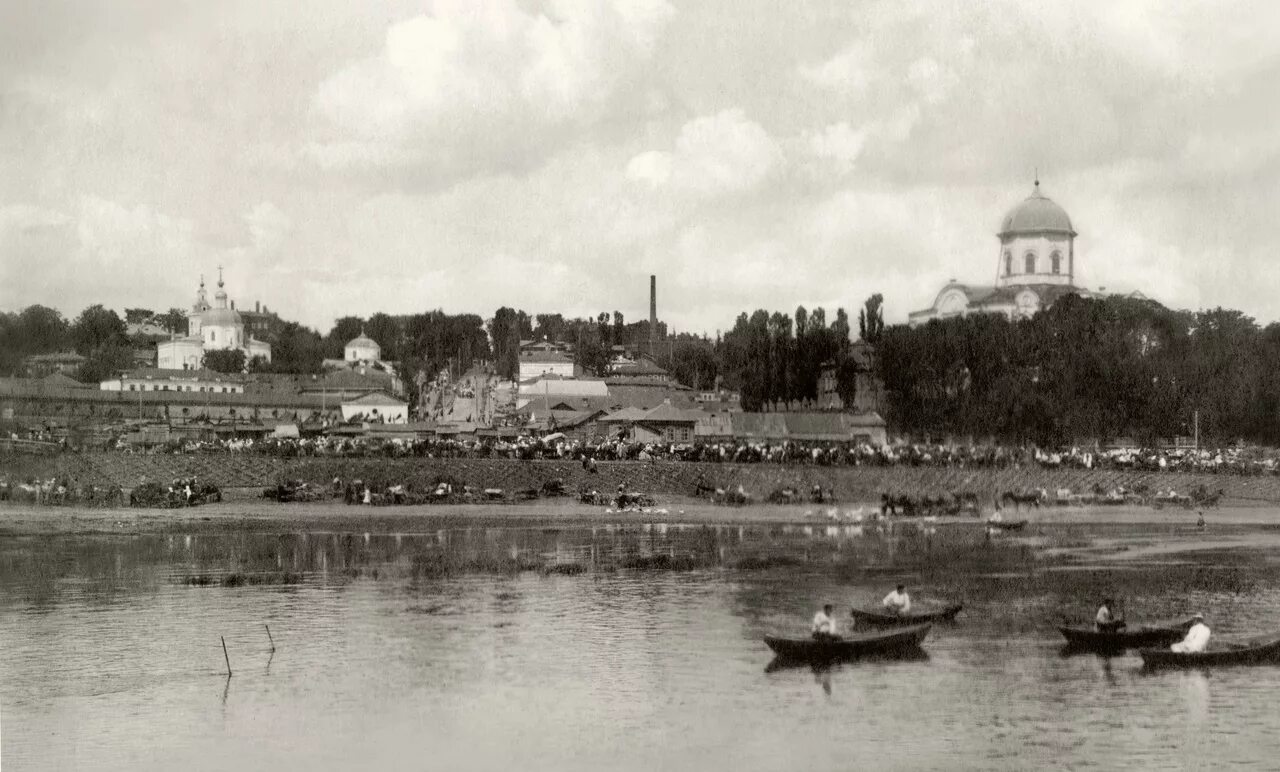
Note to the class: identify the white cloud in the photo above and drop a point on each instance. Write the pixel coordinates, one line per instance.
(840, 144)
(484, 84)
(714, 154)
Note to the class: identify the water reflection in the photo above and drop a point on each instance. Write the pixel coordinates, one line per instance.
(386, 643)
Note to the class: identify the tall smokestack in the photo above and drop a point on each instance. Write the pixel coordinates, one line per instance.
(653, 314)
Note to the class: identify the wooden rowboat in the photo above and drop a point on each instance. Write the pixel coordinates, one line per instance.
(876, 619)
(1010, 525)
(1081, 638)
(905, 640)
(1261, 650)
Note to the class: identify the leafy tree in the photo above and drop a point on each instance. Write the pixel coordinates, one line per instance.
(871, 319)
(225, 360)
(174, 320)
(388, 332)
(345, 330)
(97, 327)
(105, 362)
(137, 315)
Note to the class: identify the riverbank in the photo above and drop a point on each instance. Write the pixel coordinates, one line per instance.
(242, 511)
(662, 479)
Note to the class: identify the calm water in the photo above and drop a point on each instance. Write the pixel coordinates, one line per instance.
(418, 651)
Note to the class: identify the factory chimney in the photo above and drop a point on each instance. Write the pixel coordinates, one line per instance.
(653, 314)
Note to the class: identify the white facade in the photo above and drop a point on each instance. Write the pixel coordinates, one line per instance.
(538, 365)
(174, 380)
(376, 408)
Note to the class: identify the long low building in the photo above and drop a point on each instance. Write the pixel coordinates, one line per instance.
(56, 402)
(793, 427)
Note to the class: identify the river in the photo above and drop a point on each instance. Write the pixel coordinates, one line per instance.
(431, 650)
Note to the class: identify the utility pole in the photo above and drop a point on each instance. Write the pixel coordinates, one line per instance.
(1195, 422)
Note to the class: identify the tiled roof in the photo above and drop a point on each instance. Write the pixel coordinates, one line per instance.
(376, 398)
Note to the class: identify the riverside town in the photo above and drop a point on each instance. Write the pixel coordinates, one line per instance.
(639, 384)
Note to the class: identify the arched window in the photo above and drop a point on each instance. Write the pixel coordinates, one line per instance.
(1031, 262)
(1008, 263)
(1055, 262)
(213, 336)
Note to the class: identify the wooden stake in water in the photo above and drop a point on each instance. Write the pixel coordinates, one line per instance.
(224, 655)
(269, 638)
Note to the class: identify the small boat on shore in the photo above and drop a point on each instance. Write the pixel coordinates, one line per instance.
(903, 641)
(876, 619)
(1009, 525)
(1081, 638)
(1260, 650)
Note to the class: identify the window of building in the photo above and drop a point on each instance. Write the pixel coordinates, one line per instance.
(1055, 262)
(213, 336)
(1008, 263)
(132, 387)
(1031, 262)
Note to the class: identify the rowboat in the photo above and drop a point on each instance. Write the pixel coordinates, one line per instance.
(875, 619)
(1010, 525)
(1088, 639)
(905, 640)
(1259, 650)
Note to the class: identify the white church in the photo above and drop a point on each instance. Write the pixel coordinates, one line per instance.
(209, 328)
(1036, 267)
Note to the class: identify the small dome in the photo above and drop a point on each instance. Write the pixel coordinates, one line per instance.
(1037, 214)
(363, 341)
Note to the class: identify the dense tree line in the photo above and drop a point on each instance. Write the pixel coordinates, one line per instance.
(774, 360)
(1085, 369)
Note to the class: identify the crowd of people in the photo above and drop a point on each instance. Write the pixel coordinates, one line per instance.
(558, 447)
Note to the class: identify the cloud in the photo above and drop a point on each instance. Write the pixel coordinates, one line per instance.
(714, 154)
(840, 144)
(484, 84)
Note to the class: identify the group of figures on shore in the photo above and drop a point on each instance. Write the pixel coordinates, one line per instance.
(1233, 460)
(60, 491)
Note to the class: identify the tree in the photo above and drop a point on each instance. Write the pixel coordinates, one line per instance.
(225, 361)
(592, 356)
(871, 319)
(97, 327)
(105, 362)
(174, 320)
(137, 315)
(388, 332)
(504, 335)
(345, 330)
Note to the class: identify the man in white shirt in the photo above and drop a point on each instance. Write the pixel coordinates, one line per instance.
(824, 624)
(1197, 638)
(1105, 621)
(898, 601)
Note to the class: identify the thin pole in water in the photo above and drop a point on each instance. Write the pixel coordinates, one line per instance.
(224, 655)
(269, 638)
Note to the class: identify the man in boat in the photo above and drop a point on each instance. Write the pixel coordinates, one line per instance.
(897, 602)
(1197, 637)
(824, 624)
(1105, 621)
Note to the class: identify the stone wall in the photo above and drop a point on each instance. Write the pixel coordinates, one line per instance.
(663, 477)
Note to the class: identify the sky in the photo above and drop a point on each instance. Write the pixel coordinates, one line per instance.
(342, 158)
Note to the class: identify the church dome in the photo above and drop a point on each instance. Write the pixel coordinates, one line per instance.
(1037, 214)
(363, 341)
(221, 317)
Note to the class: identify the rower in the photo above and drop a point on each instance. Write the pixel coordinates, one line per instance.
(824, 624)
(1105, 621)
(897, 602)
(1197, 637)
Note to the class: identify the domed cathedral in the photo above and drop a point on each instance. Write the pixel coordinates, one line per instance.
(1036, 266)
(209, 328)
